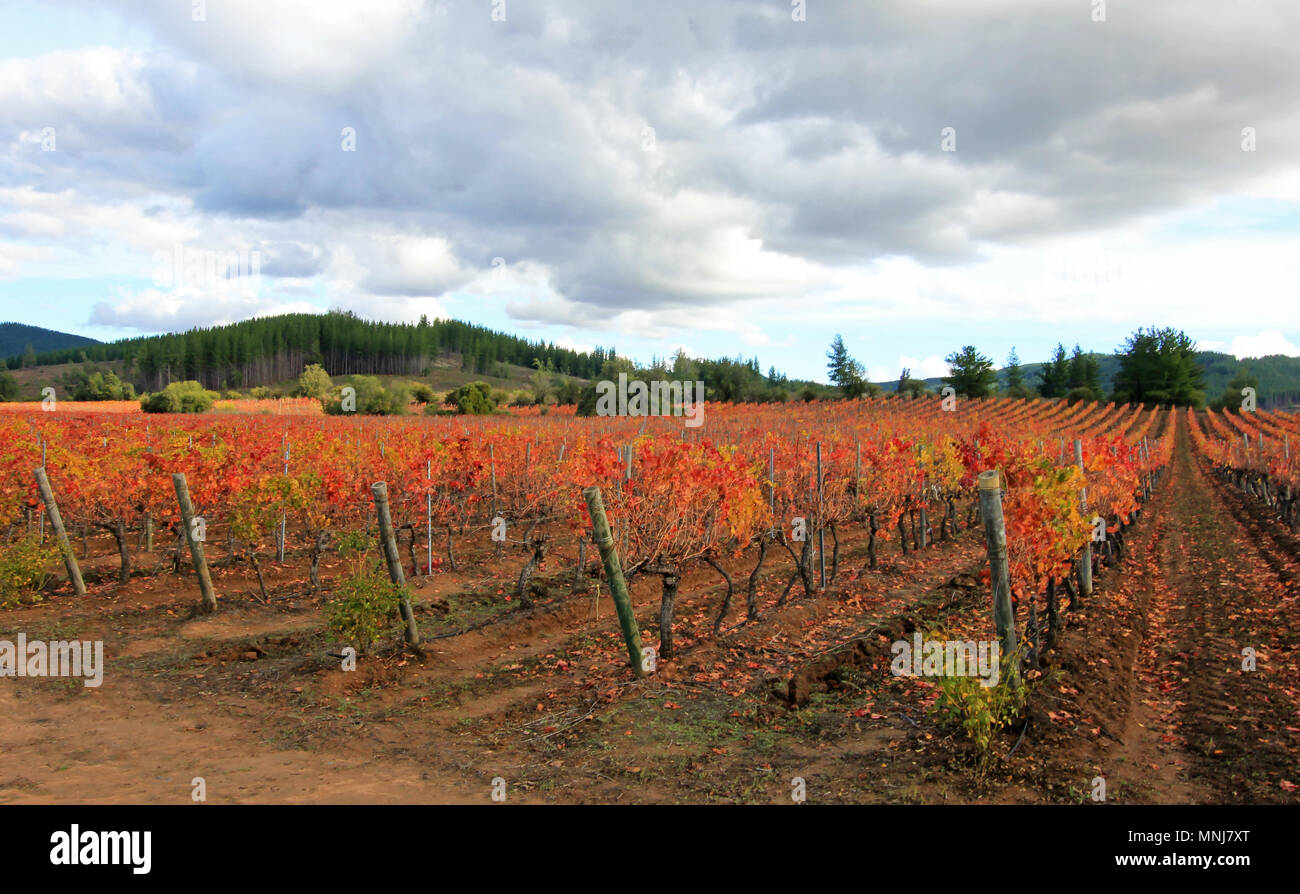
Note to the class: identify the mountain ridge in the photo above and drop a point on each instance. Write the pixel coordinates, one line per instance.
(16, 337)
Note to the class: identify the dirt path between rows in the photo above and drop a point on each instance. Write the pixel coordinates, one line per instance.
(122, 747)
(1200, 728)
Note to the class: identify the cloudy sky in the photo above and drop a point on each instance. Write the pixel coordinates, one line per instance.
(745, 177)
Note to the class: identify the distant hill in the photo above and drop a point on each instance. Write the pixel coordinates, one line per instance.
(272, 349)
(1278, 375)
(15, 338)
(442, 353)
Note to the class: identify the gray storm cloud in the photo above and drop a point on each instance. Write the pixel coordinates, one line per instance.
(659, 157)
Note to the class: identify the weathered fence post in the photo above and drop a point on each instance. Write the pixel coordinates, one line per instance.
(279, 547)
(924, 516)
(208, 598)
(604, 540)
(41, 520)
(389, 542)
(428, 516)
(821, 519)
(995, 536)
(771, 489)
(492, 463)
(60, 535)
(1085, 561)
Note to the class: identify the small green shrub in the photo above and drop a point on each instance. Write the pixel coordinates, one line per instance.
(88, 383)
(314, 382)
(422, 393)
(369, 397)
(476, 399)
(367, 600)
(979, 710)
(568, 392)
(25, 570)
(179, 397)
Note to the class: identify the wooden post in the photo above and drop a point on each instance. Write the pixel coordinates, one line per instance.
(60, 535)
(626, 486)
(604, 540)
(821, 529)
(1148, 476)
(41, 520)
(771, 489)
(492, 463)
(1085, 561)
(995, 536)
(925, 517)
(857, 472)
(208, 598)
(388, 541)
(279, 550)
(428, 516)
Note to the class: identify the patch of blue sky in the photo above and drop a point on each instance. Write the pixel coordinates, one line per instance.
(35, 27)
(1238, 217)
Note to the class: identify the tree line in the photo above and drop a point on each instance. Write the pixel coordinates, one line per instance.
(258, 355)
(1156, 366)
(1153, 366)
(273, 349)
